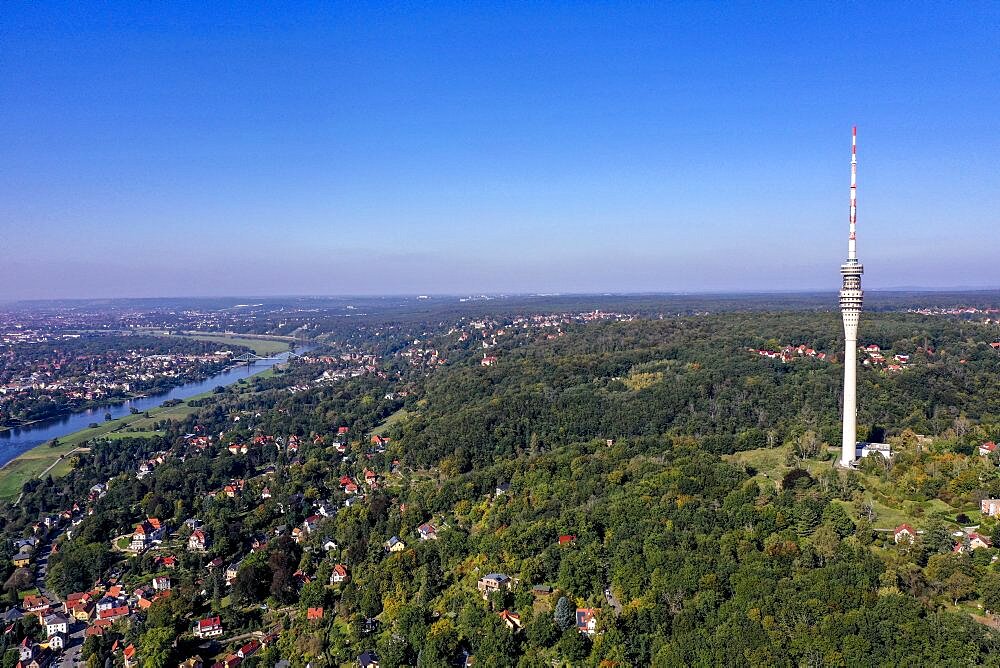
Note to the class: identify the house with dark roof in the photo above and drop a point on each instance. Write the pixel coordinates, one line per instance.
(586, 621)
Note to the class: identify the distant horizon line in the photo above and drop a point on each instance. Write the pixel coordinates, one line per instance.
(507, 295)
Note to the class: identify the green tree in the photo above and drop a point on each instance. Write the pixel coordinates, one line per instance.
(565, 615)
(155, 647)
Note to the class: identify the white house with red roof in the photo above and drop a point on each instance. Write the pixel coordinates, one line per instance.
(904, 532)
(339, 574)
(146, 533)
(197, 541)
(210, 627)
(987, 448)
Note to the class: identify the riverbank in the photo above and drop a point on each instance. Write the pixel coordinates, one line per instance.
(116, 400)
(31, 463)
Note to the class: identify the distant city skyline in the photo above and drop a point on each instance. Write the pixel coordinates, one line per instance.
(160, 150)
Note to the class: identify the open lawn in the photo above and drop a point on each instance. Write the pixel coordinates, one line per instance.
(263, 347)
(397, 417)
(770, 463)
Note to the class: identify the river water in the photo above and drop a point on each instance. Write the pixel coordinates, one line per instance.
(15, 441)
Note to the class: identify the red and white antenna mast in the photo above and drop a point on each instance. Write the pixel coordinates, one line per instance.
(852, 249)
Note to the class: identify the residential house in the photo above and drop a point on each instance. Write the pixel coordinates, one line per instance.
(586, 621)
(146, 533)
(234, 488)
(511, 619)
(567, 539)
(210, 627)
(36, 603)
(311, 523)
(192, 662)
(394, 545)
(493, 582)
(427, 531)
(98, 627)
(81, 609)
(990, 507)
(977, 541)
(904, 533)
(57, 641)
(166, 562)
(27, 649)
(501, 489)
(161, 583)
(232, 570)
(55, 623)
(314, 614)
(197, 541)
(987, 449)
(339, 574)
(231, 661)
(368, 659)
(113, 613)
(131, 657)
(22, 559)
(108, 601)
(248, 649)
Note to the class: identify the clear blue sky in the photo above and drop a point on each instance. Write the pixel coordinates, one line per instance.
(166, 148)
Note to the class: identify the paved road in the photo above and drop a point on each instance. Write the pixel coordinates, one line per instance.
(77, 630)
(612, 601)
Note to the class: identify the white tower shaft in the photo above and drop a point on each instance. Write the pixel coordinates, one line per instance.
(851, 297)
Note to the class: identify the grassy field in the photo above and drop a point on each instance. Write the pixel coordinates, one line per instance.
(262, 347)
(398, 416)
(770, 463)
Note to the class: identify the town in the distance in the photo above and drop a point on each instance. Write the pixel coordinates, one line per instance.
(512, 480)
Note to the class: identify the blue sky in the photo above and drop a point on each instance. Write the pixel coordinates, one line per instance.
(353, 148)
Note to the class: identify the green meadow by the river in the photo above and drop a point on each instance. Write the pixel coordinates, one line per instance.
(262, 347)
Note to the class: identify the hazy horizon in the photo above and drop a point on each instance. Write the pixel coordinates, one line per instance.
(161, 150)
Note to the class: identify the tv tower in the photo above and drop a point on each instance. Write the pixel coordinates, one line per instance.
(851, 297)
